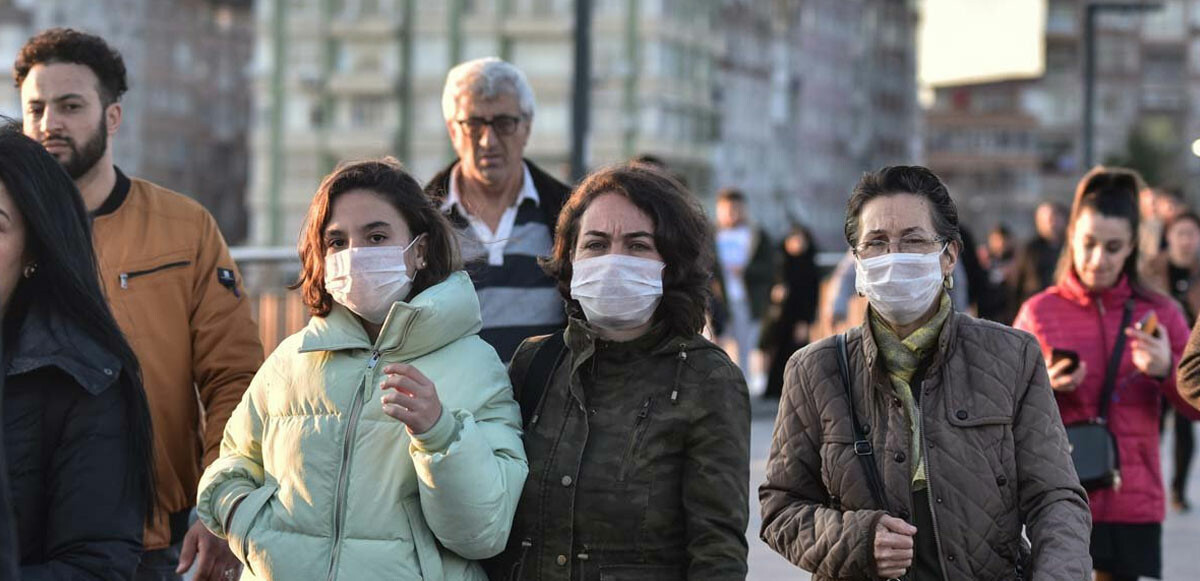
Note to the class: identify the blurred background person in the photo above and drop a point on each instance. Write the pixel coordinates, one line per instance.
(747, 260)
(1177, 272)
(794, 301)
(1092, 313)
(1038, 258)
(77, 429)
(998, 257)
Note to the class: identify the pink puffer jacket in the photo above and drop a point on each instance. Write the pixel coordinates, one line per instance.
(1068, 316)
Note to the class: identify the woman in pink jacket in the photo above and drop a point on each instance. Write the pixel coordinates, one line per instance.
(1083, 314)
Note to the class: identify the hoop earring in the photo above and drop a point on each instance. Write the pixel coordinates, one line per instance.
(30, 270)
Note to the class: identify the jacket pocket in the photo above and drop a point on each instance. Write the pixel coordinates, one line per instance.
(635, 438)
(429, 558)
(243, 521)
(126, 278)
(640, 573)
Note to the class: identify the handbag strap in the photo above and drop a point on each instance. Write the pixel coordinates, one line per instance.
(1114, 363)
(862, 446)
(537, 376)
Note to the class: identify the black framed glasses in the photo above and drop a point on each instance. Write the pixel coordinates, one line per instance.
(502, 124)
(906, 245)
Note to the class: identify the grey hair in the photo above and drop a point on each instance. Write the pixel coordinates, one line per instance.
(486, 78)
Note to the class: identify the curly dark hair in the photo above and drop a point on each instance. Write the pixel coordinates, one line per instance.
(682, 234)
(67, 45)
(387, 178)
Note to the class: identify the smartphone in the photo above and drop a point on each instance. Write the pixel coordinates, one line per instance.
(1148, 324)
(1057, 355)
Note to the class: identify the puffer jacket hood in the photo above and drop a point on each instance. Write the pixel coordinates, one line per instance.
(333, 488)
(996, 460)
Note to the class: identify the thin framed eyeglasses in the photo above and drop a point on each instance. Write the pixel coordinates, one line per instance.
(502, 124)
(908, 245)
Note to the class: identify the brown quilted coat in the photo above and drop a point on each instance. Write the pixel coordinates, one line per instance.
(996, 453)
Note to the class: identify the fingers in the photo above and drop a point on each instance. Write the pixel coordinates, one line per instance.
(188, 553)
(204, 570)
(1058, 367)
(408, 371)
(898, 526)
(405, 384)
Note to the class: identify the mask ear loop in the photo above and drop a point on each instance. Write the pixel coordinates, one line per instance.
(411, 244)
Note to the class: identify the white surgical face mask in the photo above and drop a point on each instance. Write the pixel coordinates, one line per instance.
(617, 291)
(901, 287)
(369, 280)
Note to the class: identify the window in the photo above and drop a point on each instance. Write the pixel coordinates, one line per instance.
(368, 111)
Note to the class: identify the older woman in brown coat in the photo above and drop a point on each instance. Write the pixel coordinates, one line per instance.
(950, 442)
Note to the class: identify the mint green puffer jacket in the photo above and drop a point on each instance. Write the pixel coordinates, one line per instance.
(335, 489)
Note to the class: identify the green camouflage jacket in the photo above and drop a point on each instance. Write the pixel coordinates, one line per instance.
(639, 464)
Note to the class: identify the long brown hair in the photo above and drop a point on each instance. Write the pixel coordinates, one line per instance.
(386, 178)
(682, 235)
(1111, 192)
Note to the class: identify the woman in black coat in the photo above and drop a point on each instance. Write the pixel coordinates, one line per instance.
(76, 425)
(793, 306)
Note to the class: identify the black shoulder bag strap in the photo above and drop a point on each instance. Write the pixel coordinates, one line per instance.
(1114, 363)
(537, 377)
(862, 446)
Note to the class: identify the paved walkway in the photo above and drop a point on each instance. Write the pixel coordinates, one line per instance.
(1181, 533)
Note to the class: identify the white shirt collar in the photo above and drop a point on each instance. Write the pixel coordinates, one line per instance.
(454, 198)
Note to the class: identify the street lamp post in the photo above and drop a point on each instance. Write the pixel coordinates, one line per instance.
(581, 93)
(1089, 66)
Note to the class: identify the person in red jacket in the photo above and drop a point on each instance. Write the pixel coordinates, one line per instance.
(1097, 276)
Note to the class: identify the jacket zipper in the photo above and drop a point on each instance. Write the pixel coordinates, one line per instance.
(339, 505)
(125, 276)
(937, 537)
(634, 439)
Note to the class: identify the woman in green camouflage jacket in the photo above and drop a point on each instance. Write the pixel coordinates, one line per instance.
(636, 427)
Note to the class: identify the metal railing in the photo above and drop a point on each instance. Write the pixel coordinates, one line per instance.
(266, 274)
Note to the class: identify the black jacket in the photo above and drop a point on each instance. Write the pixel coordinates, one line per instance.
(78, 515)
(8, 531)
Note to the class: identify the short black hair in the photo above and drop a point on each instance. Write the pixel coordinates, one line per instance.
(67, 45)
(905, 179)
(731, 195)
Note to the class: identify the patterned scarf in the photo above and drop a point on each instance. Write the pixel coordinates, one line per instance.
(902, 357)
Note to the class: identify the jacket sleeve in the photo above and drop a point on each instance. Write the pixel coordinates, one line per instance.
(797, 523)
(239, 469)
(843, 288)
(1177, 330)
(1052, 504)
(94, 518)
(226, 351)
(716, 479)
(471, 469)
(1188, 378)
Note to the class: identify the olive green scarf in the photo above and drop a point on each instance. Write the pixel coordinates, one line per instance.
(902, 358)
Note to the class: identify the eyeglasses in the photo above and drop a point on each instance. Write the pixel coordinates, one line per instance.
(502, 124)
(879, 247)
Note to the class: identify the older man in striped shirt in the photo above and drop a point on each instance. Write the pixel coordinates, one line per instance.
(503, 206)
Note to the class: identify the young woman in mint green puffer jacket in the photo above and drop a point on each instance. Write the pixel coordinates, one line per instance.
(382, 440)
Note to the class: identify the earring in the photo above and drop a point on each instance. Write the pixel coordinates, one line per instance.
(30, 270)
(948, 282)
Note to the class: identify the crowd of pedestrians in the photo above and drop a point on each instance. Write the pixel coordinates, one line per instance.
(506, 377)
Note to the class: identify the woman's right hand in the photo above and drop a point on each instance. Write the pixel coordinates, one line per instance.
(1062, 381)
(893, 547)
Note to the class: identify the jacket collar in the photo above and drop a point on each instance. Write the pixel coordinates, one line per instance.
(1072, 289)
(47, 338)
(946, 342)
(440, 315)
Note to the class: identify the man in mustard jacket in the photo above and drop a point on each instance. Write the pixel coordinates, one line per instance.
(169, 279)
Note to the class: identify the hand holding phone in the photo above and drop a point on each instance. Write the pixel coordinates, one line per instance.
(1057, 355)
